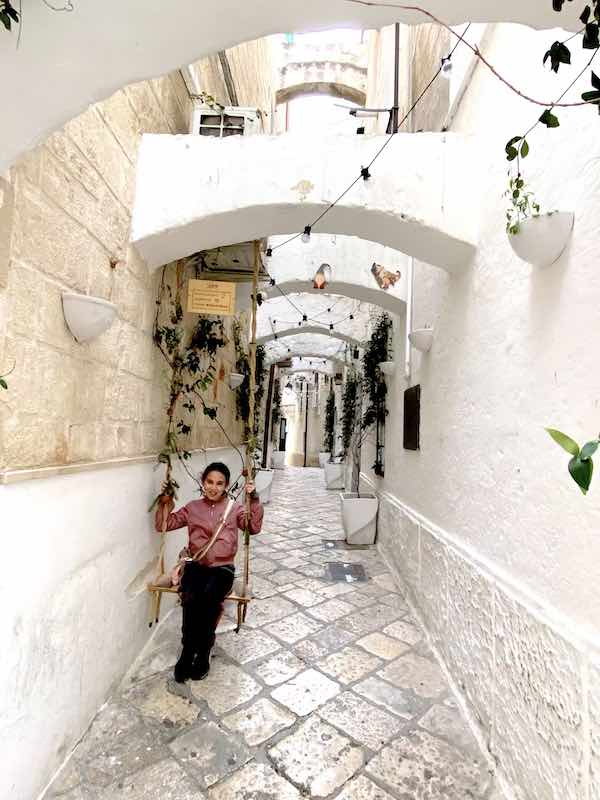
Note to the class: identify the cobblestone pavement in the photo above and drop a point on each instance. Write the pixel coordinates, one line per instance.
(329, 691)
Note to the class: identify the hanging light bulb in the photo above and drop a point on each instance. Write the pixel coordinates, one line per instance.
(304, 318)
(269, 252)
(446, 68)
(272, 282)
(306, 235)
(364, 173)
(351, 316)
(331, 326)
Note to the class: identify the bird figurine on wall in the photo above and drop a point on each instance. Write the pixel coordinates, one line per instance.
(322, 277)
(385, 279)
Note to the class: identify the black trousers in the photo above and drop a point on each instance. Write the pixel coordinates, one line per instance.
(202, 592)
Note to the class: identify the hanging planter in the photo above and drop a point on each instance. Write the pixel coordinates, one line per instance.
(421, 339)
(387, 367)
(359, 517)
(335, 475)
(541, 240)
(323, 459)
(235, 379)
(87, 317)
(263, 480)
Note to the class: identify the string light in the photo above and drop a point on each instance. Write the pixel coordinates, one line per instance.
(272, 281)
(331, 326)
(446, 68)
(364, 173)
(306, 235)
(269, 252)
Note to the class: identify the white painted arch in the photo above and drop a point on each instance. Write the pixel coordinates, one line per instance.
(194, 193)
(308, 330)
(145, 41)
(306, 347)
(332, 88)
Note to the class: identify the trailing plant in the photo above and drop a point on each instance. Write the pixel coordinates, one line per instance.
(242, 366)
(376, 351)
(3, 383)
(522, 204)
(581, 466)
(8, 14)
(329, 423)
(275, 408)
(349, 410)
(191, 359)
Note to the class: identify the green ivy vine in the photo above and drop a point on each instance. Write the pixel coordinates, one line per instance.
(191, 358)
(329, 423)
(275, 408)
(349, 409)
(581, 466)
(242, 366)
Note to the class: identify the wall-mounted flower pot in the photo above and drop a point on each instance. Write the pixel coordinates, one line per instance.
(278, 459)
(387, 367)
(235, 380)
(263, 480)
(335, 475)
(421, 339)
(87, 317)
(541, 240)
(359, 517)
(323, 459)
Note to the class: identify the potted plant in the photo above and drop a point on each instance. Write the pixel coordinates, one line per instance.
(333, 467)
(536, 238)
(325, 454)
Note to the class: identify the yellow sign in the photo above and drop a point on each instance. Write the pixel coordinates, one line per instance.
(211, 297)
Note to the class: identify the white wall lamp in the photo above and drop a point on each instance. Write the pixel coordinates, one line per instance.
(421, 339)
(235, 380)
(542, 239)
(87, 317)
(387, 367)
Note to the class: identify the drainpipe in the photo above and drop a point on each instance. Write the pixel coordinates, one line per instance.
(396, 77)
(228, 78)
(268, 421)
(409, 317)
(305, 422)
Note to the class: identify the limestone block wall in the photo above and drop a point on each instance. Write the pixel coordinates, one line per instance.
(494, 545)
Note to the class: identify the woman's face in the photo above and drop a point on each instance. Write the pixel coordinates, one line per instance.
(214, 485)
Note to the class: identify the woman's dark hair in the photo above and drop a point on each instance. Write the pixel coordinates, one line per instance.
(217, 466)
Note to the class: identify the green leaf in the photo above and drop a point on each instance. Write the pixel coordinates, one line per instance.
(558, 4)
(524, 149)
(589, 449)
(585, 15)
(558, 54)
(3, 383)
(5, 19)
(581, 472)
(549, 119)
(564, 441)
(590, 37)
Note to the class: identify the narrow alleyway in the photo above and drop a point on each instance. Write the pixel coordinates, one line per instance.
(329, 691)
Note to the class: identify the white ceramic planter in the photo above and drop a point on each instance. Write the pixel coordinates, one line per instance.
(323, 459)
(278, 459)
(263, 480)
(387, 367)
(335, 475)
(541, 240)
(359, 517)
(87, 317)
(421, 339)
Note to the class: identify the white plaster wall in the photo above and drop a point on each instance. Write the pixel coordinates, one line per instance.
(198, 192)
(494, 543)
(77, 552)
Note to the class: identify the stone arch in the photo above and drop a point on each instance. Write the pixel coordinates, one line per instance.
(341, 90)
(99, 64)
(196, 192)
(308, 330)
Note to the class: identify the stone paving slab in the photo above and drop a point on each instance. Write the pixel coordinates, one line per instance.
(329, 691)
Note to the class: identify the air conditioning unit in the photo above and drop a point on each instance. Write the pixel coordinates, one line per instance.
(224, 121)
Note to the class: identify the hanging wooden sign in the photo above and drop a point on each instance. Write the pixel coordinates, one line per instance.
(211, 297)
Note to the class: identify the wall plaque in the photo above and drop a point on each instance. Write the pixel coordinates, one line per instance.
(211, 297)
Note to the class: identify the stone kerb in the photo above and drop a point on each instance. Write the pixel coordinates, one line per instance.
(194, 193)
(100, 63)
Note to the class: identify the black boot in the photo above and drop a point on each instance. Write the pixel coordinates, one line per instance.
(200, 668)
(183, 668)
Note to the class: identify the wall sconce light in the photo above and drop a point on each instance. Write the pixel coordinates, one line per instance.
(235, 380)
(86, 316)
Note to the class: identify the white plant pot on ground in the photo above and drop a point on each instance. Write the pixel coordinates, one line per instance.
(335, 475)
(541, 240)
(359, 517)
(278, 459)
(324, 458)
(263, 481)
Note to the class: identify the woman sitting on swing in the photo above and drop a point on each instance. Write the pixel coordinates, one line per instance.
(208, 579)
